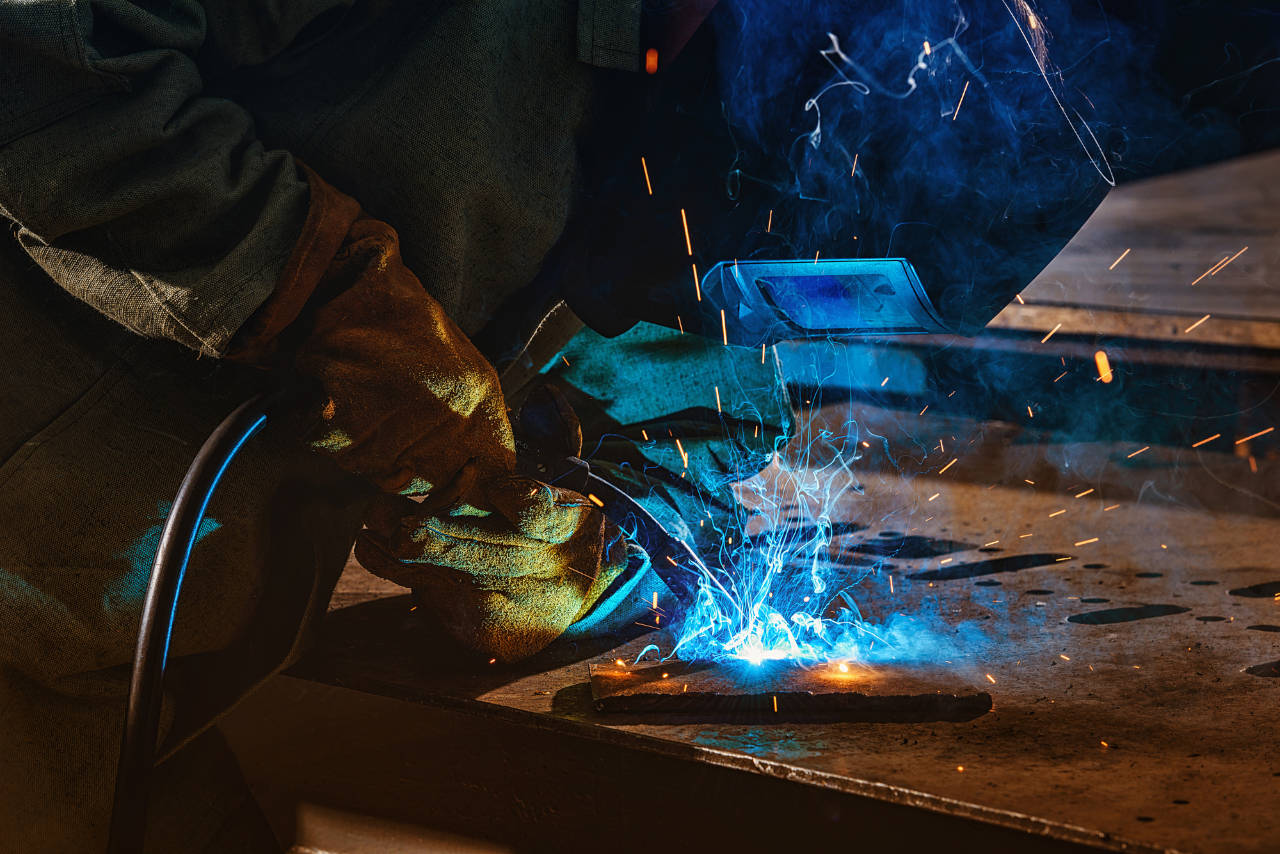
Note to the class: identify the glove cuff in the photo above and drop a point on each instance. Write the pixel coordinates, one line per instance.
(329, 218)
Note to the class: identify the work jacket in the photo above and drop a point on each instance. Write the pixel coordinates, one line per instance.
(134, 173)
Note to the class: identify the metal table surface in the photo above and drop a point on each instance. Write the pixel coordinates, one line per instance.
(1150, 721)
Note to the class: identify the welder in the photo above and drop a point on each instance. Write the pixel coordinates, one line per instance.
(386, 204)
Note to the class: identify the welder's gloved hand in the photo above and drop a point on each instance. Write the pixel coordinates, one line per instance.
(506, 581)
(409, 403)
(406, 399)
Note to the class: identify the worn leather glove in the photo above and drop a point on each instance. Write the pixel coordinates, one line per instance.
(507, 563)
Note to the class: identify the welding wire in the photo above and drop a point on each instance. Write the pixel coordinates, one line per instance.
(1254, 435)
(1208, 440)
(964, 92)
(1197, 323)
(645, 167)
(1118, 260)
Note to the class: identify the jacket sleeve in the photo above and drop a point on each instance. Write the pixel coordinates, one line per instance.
(135, 191)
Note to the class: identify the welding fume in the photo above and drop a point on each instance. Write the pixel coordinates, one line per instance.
(521, 268)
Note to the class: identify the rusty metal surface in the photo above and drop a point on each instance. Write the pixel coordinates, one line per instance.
(1134, 701)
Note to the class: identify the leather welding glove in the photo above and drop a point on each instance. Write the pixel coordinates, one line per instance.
(409, 403)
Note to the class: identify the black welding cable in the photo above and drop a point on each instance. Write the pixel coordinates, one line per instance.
(142, 717)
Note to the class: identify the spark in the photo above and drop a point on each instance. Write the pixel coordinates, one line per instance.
(1030, 414)
(1063, 657)
(724, 331)
(619, 662)
(927, 49)
(594, 500)
(1104, 744)
(683, 455)
(1087, 542)
(922, 411)
(815, 256)
(1197, 323)
(935, 495)
(1112, 507)
(947, 466)
(1032, 482)
(647, 183)
(666, 675)
(493, 661)
(854, 170)
(1057, 513)
(945, 561)
(960, 768)
(1139, 451)
(1050, 335)
(1210, 271)
(762, 354)
(775, 704)
(651, 61)
(680, 323)
(884, 382)
(644, 434)
(1104, 366)
(1254, 435)
(688, 243)
(1207, 440)
(769, 225)
(961, 101)
(697, 285)
(1019, 298)
(1024, 536)
(992, 543)
(1083, 494)
(1059, 376)
(718, 409)
(1228, 261)
(1118, 260)
(890, 583)
(646, 625)
(991, 679)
